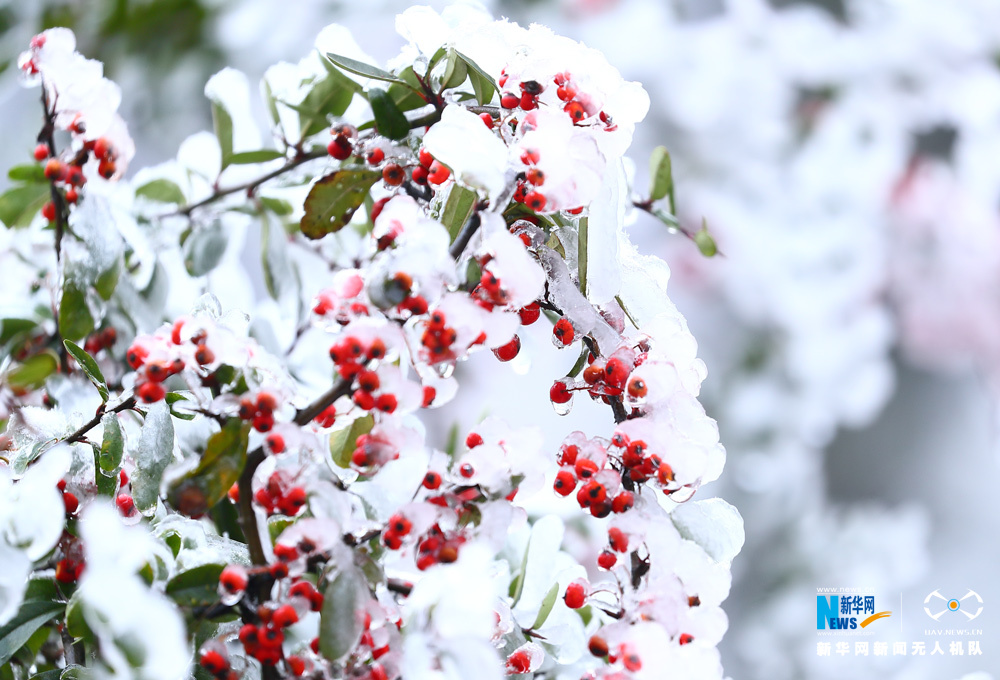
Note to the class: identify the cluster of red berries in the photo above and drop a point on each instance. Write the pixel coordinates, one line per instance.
(149, 385)
(527, 100)
(367, 395)
(640, 465)
(123, 500)
(102, 339)
(602, 378)
(259, 411)
(280, 495)
(617, 545)
(351, 354)
(372, 451)
(529, 314)
(624, 654)
(438, 547)
(429, 170)
(374, 643)
(438, 337)
(70, 502)
(527, 191)
(593, 495)
(341, 146)
(71, 563)
(69, 175)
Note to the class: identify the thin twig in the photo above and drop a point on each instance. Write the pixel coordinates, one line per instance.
(92, 423)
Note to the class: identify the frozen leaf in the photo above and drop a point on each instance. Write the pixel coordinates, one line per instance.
(197, 586)
(713, 524)
(277, 268)
(331, 95)
(75, 318)
(407, 96)
(455, 72)
(333, 200)
(204, 248)
(153, 453)
(113, 445)
(482, 83)
(219, 468)
(89, 366)
(261, 156)
(361, 68)
(342, 617)
(457, 209)
(661, 176)
(548, 602)
(161, 190)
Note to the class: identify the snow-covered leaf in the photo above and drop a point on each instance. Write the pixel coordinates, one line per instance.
(89, 366)
(333, 200)
(342, 618)
(33, 615)
(161, 190)
(713, 524)
(360, 68)
(153, 453)
(75, 318)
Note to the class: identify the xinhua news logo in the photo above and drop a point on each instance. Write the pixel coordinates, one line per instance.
(846, 612)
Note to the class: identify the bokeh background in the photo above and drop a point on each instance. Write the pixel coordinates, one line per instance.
(846, 157)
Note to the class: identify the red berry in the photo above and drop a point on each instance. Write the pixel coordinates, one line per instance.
(267, 401)
(575, 111)
(685, 638)
(432, 480)
(597, 646)
(49, 211)
(125, 503)
(150, 392)
(102, 148)
(70, 502)
(203, 355)
(393, 175)
(275, 442)
(419, 175)
(510, 101)
(617, 539)
(363, 400)
(386, 403)
(615, 372)
(54, 169)
(375, 156)
(565, 483)
(296, 665)
(623, 502)
(106, 169)
(429, 394)
(234, 492)
(122, 477)
(485, 117)
(284, 616)
(473, 440)
(399, 524)
(425, 158)
(607, 560)
(558, 393)
(576, 594)
(518, 662)
(41, 152)
(368, 381)
(72, 195)
(466, 470)
(535, 201)
(637, 388)
(508, 351)
(530, 156)
(263, 422)
(439, 174)
(340, 147)
(213, 662)
(233, 579)
(563, 332)
(529, 314)
(535, 176)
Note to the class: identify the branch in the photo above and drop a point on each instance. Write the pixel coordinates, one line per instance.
(250, 186)
(92, 423)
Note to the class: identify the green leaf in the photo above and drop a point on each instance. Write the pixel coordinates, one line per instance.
(456, 70)
(274, 257)
(482, 83)
(75, 319)
(161, 190)
(76, 624)
(408, 94)
(113, 445)
(661, 176)
(333, 200)
(34, 370)
(13, 328)
(108, 280)
(547, 603)
(704, 241)
(329, 96)
(89, 366)
(223, 124)
(517, 585)
(262, 156)
(272, 106)
(458, 208)
(342, 441)
(197, 586)
(30, 172)
(153, 453)
(360, 68)
(204, 248)
(582, 236)
(341, 618)
(19, 205)
(219, 468)
(30, 617)
(278, 206)
(389, 120)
